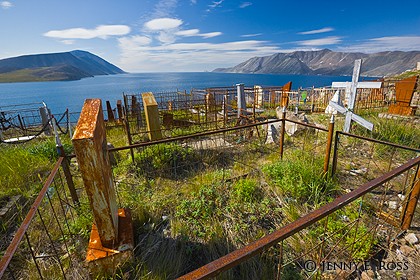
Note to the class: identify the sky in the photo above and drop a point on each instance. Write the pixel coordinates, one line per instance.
(201, 35)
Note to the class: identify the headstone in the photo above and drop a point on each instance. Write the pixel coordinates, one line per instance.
(241, 100)
(273, 132)
(152, 116)
(292, 128)
(111, 241)
(336, 98)
(89, 141)
(109, 112)
(45, 118)
(258, 96)
(119, 110)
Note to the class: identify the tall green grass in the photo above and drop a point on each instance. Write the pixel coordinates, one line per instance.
(299, 176)
(24, 166)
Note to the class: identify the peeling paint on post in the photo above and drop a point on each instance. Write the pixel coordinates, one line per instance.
(90, 146)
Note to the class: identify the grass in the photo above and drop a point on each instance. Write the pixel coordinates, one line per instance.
(27, 165)
(192, 206)
(186, 221)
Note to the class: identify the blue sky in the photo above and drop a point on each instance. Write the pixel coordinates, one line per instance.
(200, 35)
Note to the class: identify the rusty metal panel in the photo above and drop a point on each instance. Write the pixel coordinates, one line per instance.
(285, 94)
(102, 260)
(90, 147)
(404, 92)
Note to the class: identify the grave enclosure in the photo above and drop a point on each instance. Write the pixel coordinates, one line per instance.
(234, 151)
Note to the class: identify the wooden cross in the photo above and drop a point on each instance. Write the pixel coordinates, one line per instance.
(351, 89)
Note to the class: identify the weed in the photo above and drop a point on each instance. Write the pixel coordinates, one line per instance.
(299, 176)
(246, 190)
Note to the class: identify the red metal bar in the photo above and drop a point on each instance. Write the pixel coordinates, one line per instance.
(329, 145)
(5, 260)
(236, 257)
(144, 144)
(379, 141)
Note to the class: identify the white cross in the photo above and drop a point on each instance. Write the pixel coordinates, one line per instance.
(351, 89)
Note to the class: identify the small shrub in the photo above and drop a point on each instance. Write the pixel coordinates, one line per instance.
(246, 190)
(300, 176)
(199, 212)
(166, 160)
(48, 149)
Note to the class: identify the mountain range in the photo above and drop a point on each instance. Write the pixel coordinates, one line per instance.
(327, 62)
(65, 66)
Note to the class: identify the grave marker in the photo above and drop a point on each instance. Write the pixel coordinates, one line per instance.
(241, 100)
(404, 91)
(348, 112)
(111, 241)
(152, 116)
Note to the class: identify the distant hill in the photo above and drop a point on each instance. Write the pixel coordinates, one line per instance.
(65, 66)
(327, 62)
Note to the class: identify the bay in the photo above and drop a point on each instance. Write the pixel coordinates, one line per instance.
(71, 94)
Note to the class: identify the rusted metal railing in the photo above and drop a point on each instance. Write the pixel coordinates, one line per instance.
(240, 255)
(51, 243)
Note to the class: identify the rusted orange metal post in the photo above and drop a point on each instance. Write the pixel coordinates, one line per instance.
(285, 94)
(329, 145)
(113, 227)
(90, 144)
(282, 131)
(412, 200)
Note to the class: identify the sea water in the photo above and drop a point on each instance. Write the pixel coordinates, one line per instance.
(71, 94)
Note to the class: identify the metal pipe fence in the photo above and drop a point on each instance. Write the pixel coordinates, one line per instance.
(332, 241)
(359, 159)
(21, 124)
(46, 245)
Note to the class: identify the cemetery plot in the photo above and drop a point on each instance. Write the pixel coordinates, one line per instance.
(22, 123)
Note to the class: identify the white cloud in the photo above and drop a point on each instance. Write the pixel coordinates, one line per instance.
(216, 4)
(168, 29)
(6, 4)
(251, 35)
(210, 34)
(317, 31)
(245, 4)
(193, 1)
(189, 56)
(188, 33)
(102, 31)
(321, 42)
(390, 43)
(133, 42)
(163, 24)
